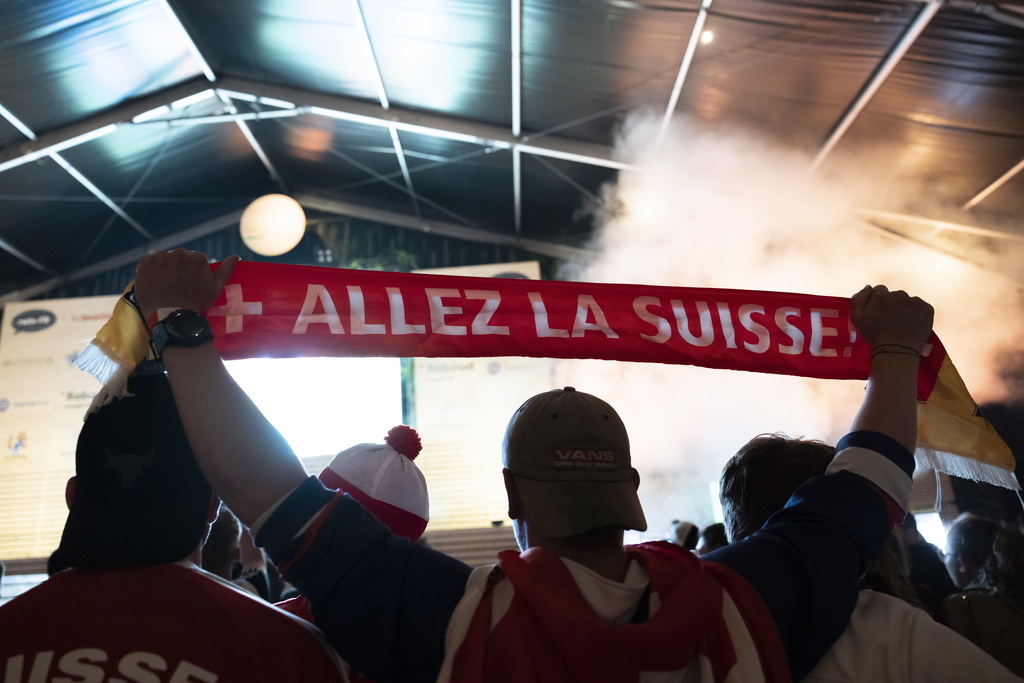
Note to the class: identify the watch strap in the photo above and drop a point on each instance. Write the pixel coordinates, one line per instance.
(166, 333)
(159, 335)
(156, 316)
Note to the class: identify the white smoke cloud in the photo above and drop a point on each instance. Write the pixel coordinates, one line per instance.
(733, 210)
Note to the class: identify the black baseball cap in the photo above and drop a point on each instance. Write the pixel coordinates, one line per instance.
(140, 497)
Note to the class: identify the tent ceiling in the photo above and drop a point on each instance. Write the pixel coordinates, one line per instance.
(133, 125)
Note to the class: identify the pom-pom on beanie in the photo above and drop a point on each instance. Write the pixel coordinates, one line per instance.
(384, 479)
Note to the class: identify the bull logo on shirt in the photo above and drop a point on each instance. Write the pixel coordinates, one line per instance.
(129, 465)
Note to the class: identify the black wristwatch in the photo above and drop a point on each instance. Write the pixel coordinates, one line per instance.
(181, 328)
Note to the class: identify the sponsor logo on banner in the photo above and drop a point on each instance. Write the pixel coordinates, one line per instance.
(26, 362)
(33, 403)
(449, 367)
(33, 321)
(91, 317)
(78, 397)
(17, 444)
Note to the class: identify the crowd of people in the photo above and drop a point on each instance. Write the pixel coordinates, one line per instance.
(806, 580)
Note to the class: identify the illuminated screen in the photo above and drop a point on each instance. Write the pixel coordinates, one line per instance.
(324, 405)
(930, 525)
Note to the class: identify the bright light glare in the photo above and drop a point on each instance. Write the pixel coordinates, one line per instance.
(323, 405)
(643, 204)
(706, 37)
(716, 501)
(930, 525)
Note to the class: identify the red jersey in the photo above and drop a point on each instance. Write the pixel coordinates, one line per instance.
(155, 623)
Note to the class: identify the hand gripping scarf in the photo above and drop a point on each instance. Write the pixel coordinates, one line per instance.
(274, 310)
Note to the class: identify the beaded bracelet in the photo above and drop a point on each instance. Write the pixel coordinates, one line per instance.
(895, 348)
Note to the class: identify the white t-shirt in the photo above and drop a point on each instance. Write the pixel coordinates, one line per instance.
(890, 640)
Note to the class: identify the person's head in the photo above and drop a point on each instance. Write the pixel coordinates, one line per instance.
(384, 479)
(907, 531)
(970, 540)
(1006, 566)
(138, 496)
(712, 537)
(221, 548)
(764, 473)
(685, 534)
(889, 572)
(54, 563)
(567, 469)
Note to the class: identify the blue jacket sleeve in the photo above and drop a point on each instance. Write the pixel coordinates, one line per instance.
(807, 559)
(382, 601)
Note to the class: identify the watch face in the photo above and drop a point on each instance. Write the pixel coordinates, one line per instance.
(188, 326)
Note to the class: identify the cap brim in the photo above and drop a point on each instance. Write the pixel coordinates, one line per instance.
(96, 535)
(566, 508)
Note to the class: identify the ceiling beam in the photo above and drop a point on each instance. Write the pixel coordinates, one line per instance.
(23, 257)
(378, 78)
(933, 224)
(128, 257)
(327, 205)
(684, 67)
(224, 98)
(516, 71)
(881, 73)
(385, 103)
(1003, 12)
(999, 182)
(53, 152)
(427, 123)
(89, 128)
(341, 107)
(886, 228)
(187, 37)
(100, 195)
(444, 228)
(257, 148)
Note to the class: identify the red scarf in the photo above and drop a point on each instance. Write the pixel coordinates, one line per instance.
(284, 311)
(549, 633)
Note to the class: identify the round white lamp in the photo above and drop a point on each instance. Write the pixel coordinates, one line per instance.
(272, 224)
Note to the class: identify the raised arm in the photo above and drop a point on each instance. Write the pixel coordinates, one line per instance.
(897, 326)
(245, 459)
(806, 560)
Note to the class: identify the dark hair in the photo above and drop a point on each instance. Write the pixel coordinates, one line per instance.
(888, 573)
(1005, 569)
(760, 478)
(713, 537)
(54, 564)
(972, 536)
(997, 549)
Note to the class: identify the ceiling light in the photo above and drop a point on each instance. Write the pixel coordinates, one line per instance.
(272, 225)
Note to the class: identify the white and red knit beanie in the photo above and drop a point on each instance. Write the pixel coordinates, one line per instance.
(384, 479)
